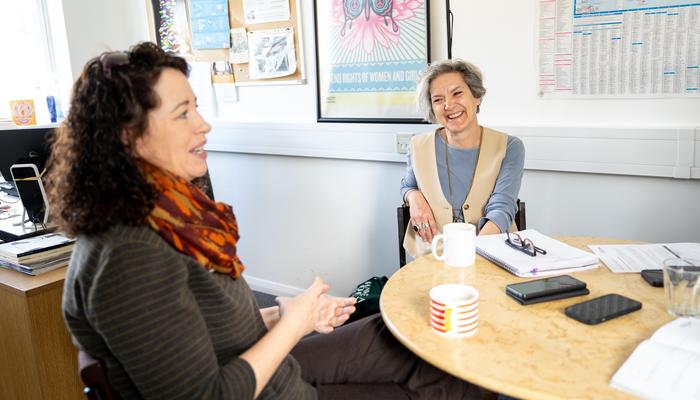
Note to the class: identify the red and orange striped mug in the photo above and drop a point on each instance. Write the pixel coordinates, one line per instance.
(454, 310)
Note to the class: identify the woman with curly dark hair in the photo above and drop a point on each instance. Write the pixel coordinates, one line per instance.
(154, 287)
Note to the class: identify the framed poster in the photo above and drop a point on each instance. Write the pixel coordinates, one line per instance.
(369, 56)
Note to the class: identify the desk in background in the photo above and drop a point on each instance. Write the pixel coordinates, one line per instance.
(530, 352)
(39, 360)
(10, 229)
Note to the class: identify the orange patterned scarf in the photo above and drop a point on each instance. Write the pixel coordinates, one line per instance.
(194, 224)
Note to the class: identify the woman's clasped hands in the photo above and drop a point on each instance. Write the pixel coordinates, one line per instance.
(314, 310)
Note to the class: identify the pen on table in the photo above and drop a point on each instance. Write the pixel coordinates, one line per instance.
(670, 251)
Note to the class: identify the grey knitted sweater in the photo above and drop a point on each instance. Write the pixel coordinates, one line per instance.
(166, 327)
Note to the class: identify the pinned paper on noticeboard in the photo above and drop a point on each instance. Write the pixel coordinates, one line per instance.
(221, 72)
(271, 53)
(239, 46)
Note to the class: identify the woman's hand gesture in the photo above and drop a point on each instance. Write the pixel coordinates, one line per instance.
(314, 310)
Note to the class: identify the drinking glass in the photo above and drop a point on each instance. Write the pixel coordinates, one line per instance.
(682, 286)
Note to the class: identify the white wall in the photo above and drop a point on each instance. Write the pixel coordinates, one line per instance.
(501, 40)
(331, 212)
(301, 217)
(96, 26)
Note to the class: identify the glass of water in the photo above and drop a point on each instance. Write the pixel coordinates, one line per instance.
(682, 286)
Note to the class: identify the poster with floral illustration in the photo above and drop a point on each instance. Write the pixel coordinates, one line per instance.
(370, 54)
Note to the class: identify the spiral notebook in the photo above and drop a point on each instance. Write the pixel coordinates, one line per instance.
(560, 258)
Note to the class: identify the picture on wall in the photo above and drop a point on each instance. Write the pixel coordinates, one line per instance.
(171, 25)
(370, 54)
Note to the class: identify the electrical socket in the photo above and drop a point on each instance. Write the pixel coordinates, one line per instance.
(403, 142)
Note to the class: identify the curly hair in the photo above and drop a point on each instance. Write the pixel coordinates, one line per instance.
(470, 74)
(94, 178)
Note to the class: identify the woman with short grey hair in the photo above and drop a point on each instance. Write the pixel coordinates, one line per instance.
(462, 171)
(470, 74)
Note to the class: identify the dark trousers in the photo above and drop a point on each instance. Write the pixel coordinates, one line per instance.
(363, 360)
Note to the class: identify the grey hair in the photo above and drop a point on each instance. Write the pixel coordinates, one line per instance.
(470, 74)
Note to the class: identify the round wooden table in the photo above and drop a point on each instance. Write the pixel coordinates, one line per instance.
(534, 351)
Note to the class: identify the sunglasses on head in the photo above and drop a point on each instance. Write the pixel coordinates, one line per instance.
(112, 60)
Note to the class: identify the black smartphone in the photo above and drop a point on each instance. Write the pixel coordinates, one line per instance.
(602, 308)
(551, 297)
(654, 277)
(544, 287)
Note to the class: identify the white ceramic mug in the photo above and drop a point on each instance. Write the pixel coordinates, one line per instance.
(458, 244)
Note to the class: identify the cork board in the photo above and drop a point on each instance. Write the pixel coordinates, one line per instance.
(236, 20)
(240, 71)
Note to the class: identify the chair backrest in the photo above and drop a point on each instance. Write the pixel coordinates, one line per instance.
(520, 216)
(205, 183)
(94, 376)
(403, 217)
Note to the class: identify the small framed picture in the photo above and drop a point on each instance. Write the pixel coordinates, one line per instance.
(23, 112)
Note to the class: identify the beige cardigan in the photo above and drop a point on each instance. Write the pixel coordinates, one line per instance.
(488, 166)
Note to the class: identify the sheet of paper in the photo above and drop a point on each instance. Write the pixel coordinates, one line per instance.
(614, 48)
(271, 53)
(200, 80)
(681, 332)
(261, 11)
(665, 366)
(210, 24)
(625, 258)
(239, 46)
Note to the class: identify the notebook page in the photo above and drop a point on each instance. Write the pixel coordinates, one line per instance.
(559, 255)
(666, 365)
(683, 333)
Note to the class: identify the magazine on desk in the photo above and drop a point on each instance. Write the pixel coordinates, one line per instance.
(560, 258)
(665, 366)
(37, 248)
(39, 268)
(36, 255)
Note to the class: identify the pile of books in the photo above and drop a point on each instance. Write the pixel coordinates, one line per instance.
(36, 255)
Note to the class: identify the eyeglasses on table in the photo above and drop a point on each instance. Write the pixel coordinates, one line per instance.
(527, 246)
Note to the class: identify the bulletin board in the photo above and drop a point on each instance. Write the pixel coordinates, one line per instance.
(237, 20)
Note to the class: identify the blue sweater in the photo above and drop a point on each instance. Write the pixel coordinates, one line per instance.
(501, 206)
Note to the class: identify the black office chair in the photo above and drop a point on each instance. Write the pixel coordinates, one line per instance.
(403, 218)
(94, 376)
(204, 183)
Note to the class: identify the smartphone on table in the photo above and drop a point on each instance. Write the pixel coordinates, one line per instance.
(654, 277)
(602, 308)
(546, 289)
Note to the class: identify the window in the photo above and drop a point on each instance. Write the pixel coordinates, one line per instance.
(35, 55)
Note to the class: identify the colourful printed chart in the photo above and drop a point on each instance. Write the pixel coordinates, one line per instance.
(613, 48)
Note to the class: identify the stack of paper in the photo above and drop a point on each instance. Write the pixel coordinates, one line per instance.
(666, 366)
(560, 258)
(36, 255)
(636, 257)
